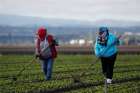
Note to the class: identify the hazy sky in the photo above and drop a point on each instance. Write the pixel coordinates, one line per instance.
(74, 9)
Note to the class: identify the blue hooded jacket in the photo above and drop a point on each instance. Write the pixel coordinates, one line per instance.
(109, 49)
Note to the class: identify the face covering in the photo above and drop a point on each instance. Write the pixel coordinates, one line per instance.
(102, 38)
(42, 32)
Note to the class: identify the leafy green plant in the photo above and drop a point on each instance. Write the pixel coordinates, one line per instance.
(126, 75)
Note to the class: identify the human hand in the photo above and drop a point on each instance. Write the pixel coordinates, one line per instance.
(37, 56)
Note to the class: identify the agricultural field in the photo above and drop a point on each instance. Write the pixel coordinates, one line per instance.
(71, 74)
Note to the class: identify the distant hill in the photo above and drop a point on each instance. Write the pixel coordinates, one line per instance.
(25, 25)
(14, 20)
(117, 23)
(22, 29)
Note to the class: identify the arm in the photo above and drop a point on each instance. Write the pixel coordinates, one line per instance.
(115, 41)
(52, 45)
(38, 49)
(37, 46)
(101, 50)
(55, 42)
(97, 50)
(52, 41)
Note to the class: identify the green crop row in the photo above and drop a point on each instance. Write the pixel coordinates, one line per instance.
(66, 69)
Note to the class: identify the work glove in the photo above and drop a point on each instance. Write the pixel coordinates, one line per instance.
(40, 57)
(37, 56)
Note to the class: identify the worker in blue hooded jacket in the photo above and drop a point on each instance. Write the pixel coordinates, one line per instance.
(106, 49)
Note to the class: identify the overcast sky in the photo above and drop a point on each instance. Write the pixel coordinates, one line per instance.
(74, 9)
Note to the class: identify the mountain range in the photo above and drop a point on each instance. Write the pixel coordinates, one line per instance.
(28, 21)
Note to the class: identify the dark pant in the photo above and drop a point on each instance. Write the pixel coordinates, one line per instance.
(47, 66)
(108, 65)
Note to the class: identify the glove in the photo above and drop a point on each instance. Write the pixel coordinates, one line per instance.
(38, 56)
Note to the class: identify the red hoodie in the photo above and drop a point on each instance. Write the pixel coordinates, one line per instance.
(41, 35)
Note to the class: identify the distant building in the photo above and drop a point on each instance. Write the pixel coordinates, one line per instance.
(128, 33)
(81, 42)
(73, 42)
(77, 42)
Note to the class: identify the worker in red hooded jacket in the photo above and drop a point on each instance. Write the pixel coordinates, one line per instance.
(45, 50)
